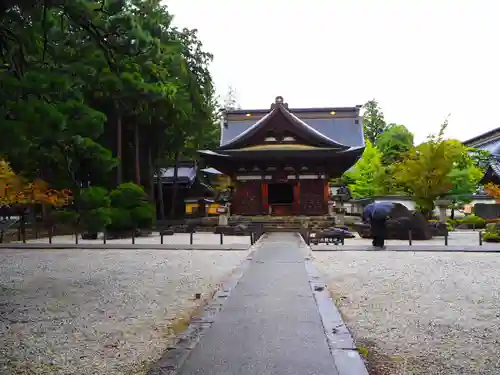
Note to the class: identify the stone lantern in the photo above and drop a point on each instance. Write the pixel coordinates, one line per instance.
(223, 212)
(339, 210)
(443, 205)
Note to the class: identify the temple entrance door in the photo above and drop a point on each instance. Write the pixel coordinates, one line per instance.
(281, 198)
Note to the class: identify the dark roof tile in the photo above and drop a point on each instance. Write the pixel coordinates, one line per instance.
(344, 131)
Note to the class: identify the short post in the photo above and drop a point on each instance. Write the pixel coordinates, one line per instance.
(133, 236)
(480, 238)
(161, 237)
(50, 234)
(251, 238)
(410, 239)
(23, 228)
(191, 237)
(76, 236)
(104, 236)
(221, 238)
(446, 237)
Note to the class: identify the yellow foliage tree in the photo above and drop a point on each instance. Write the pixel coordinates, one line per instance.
(493, 190)
(15, 190)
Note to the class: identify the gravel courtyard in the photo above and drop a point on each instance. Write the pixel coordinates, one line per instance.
(420, 313)
(98, 312)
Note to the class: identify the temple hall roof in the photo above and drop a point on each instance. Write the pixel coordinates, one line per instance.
(489, 141)
(340, 126)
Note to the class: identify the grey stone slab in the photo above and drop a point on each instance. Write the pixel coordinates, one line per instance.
(270, 323)
(336, 331)
(346, 357)
(349, 362)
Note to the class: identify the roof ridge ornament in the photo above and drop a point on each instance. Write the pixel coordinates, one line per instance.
(278, 101)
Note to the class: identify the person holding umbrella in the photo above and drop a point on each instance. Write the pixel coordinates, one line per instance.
(377, 215)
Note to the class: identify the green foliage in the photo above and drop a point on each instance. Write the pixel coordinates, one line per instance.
(394, 143)
(473, 221)
(491, 237)
(94, 209)
(491, 227)
(481, 158)
(143, 216)
(492, 232)
(94, 197)
(82, 79)
(121, 220)
(64, 216)
(366, 174)
(426, 173)
(128, 196)
(464, 182)
(130, 208)
(96, 220)
(373, 121)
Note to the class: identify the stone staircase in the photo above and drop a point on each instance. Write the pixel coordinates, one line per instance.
(274, 223)
(288, 223)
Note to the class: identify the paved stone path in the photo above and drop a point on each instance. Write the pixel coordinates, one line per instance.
(270, 324)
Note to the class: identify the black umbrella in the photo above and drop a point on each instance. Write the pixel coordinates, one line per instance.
(378, 210)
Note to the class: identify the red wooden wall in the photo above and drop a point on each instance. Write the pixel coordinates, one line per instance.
(312, 197)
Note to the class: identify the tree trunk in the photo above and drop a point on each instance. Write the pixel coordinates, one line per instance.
(159, 185)
(175, 186)
(452, 214)
(119, 135)
(150, 174)
(137, 155)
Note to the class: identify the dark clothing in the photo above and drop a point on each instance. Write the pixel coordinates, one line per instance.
(377, 214)
(379, 231)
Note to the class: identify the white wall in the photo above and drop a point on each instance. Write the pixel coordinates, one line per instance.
(411, 205)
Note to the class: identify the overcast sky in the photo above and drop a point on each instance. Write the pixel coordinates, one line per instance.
(421, 59)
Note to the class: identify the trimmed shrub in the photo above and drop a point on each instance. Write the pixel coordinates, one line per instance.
(128, 196)
(130, 209)
(95, 212)
(472, 221)
(66, 217)
(491, 237)
(93, 197)
(121, 220)
(144, 216)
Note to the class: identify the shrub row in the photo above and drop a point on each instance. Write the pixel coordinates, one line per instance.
(120, 211)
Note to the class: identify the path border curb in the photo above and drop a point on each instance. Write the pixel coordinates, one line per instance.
(175, 356)
(115, 246)
(413, 248)
(342, 346)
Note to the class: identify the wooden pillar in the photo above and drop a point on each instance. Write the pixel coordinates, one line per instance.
(327, 193)
(264, 196)
(296, 198)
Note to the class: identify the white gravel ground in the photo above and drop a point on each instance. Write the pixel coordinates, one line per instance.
(420, 313)
(98, 312)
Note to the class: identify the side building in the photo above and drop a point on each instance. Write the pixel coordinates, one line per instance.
(489, 141)
(482, 204)
(280, 160)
